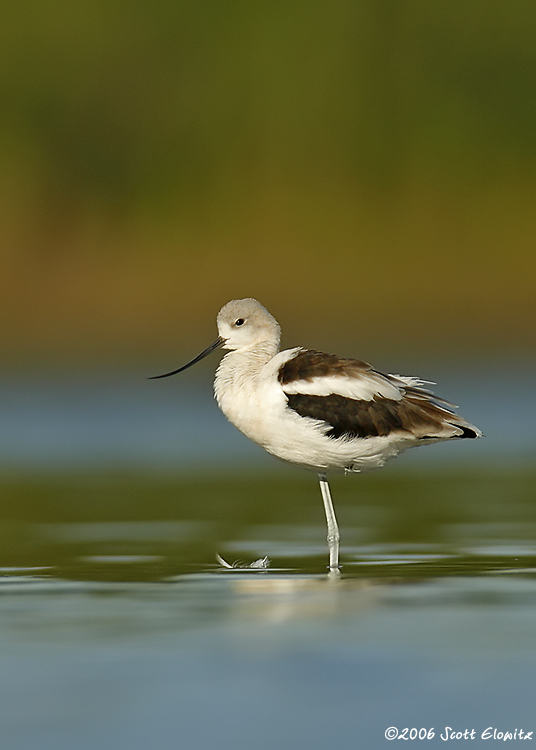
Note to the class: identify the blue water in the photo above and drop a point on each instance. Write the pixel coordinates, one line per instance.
(262, 662)
(123, 420)
(121, 632)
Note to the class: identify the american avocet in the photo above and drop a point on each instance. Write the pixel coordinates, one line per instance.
(319, 411)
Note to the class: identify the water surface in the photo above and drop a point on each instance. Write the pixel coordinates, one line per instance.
(118, 629)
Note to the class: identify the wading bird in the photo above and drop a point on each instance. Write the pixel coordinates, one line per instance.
(316, 410)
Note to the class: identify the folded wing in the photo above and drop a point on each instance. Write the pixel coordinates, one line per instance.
(352, 400)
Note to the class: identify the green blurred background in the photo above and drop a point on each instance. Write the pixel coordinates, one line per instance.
(365, 165)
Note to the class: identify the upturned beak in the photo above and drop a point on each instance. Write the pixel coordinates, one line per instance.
(216, 345)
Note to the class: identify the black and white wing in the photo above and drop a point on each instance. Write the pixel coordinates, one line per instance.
(355, 401)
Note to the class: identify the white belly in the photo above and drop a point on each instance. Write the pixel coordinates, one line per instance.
(258, 408)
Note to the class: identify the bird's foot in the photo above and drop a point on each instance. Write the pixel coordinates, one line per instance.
(261, 564)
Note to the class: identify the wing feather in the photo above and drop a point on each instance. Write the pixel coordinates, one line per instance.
(353, 400)
(318, 374)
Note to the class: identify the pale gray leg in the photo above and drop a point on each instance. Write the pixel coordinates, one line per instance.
(333, 529)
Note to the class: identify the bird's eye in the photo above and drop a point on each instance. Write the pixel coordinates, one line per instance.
(240, 322)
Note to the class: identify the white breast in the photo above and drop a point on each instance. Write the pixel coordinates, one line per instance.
(249, 395)
(252, 399)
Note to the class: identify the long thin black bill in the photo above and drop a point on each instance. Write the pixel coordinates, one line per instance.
(216, 345)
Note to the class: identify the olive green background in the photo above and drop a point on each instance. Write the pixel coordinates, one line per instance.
(366, 169)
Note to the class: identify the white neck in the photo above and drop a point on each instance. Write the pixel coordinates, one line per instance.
(237, 373)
